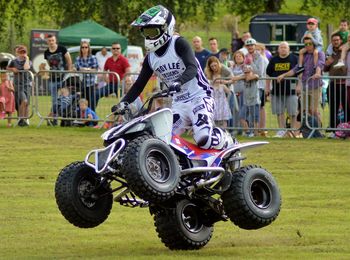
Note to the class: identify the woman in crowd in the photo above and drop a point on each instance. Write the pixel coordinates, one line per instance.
(215, 71)
(86, 62)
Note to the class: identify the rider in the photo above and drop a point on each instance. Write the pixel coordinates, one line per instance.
(171, 58)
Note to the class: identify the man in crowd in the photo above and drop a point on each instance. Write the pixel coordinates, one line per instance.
(283, 96)
(311, 88)
(58, 58)
(118, 64)
(199, 52)
(214, 47)
(337, 87)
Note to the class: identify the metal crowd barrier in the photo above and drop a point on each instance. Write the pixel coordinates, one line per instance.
(22, 82)
(252, 117)
(59, 95)
(328, 104)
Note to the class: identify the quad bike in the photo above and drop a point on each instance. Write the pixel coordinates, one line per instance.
(187, 189)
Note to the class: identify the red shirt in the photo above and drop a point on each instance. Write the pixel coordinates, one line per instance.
(119, 66)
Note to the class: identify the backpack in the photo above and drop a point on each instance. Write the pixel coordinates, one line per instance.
(312, 122)
(343, 134)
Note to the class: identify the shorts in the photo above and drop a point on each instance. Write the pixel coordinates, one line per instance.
(22, 94)
(280, 103)
(313, 99)
(250, 113)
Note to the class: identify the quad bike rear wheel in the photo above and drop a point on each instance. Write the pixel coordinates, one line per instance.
(253, 200)
(81, 197)
(183, 227)
(151, 169)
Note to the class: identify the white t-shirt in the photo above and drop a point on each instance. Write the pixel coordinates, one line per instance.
(101, 60)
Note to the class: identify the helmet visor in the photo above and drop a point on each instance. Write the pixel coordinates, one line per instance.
(151, 32)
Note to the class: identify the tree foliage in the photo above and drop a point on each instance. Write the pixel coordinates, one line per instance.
(338, 8)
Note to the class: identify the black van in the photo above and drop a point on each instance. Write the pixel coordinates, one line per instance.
(272, 28)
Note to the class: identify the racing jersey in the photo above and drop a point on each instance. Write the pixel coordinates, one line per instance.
(173, 62)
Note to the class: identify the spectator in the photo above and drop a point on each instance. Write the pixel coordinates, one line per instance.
(256, 61)
(315, 34)
(22, 82)
(87, 62)
(7, 98)
(344, 50)
(347, 104)
(245, 36)
(337, 90)
(237, 43)
(214, 47)
(58, 58)
(214, 71)
(86, 113)
(251, 101)
(343, 32)
(102, 57)
(238, 79)
(283, 97)
(224, 57)
(63, 105)
(199, 52)
(118, 64)
(260, 48)
(313, 86)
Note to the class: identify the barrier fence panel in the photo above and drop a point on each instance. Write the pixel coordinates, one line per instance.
(17, 94)
(327, 105)
(64, 95)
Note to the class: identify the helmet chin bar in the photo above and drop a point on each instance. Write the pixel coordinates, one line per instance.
(153, 45)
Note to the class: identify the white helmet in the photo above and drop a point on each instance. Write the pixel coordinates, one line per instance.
(157, 25)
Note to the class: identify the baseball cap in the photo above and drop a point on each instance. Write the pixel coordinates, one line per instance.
(312, 20)
(21, 48)
(250, 41)
(225, 50)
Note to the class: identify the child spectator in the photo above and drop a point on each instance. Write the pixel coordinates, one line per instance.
(344, 32)
(87, 113)
(251, 102)
(222, 111)
(22, 83)
(7, 98)
(63, 104)
(315, 34)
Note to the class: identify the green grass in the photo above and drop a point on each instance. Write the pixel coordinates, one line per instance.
(314, 222)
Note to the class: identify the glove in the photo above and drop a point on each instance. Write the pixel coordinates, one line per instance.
(120, 107)
(174, 88)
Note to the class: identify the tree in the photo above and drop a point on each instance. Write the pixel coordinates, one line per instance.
(337, 8)
(247, 8)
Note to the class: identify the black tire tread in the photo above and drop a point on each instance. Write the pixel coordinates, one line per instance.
(171, 234)
(135, 180)
(237, 209)
(63, 194)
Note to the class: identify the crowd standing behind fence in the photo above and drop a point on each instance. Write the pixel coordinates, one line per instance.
(283, 91)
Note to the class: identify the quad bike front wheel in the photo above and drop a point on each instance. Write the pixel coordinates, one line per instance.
(151, 169)
(183, 227)
(81, 197)
(253, 200)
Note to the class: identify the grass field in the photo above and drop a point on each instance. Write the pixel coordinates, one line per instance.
(314, 222)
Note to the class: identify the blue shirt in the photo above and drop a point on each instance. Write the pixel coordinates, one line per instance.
(202, 57)
(89, 62)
